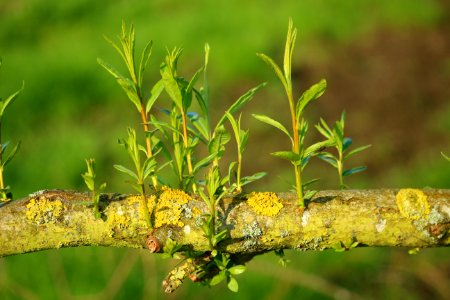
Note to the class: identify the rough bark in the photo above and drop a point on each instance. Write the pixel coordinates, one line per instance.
(257, 222)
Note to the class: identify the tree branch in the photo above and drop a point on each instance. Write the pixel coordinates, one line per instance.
(257, 222)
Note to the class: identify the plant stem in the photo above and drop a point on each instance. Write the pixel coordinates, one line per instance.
(188, 153)
(145, 207)
(148, 141)
(238, 179)
(296, 148)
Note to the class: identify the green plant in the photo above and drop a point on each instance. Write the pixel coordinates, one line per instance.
(144, 169)
(5, 158)
(342, 145)
(299, 154)
(445, 156)
(346, 246)
(227, 270)
(133, 85)
(89, 179)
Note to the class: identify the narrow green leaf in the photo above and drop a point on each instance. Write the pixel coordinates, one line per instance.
(171, 86)
(353, 171)
(204, 162)
(276, 68)
(126, 171)
(146, 53)
(154, 94)
(317, 147)
(289, 49)
(4, 104)
(240, 102)
(329, 158)
(130, 89)
(313, 93)
(110, 69)
(445, 156)
(270, 121)
(7, 158)
(346, 143)
(288, 155)
(249, 179)
(357, 150)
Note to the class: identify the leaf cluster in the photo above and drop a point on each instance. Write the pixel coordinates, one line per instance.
(335, 137)
(89, 180)
(227, 271)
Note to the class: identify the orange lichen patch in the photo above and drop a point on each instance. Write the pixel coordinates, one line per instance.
(266, 204)
(412, 204)
(169, 207)
(43, 211)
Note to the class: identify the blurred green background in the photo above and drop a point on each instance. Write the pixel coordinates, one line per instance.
(387, 64)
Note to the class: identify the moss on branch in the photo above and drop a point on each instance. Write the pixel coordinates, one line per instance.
(385, 217)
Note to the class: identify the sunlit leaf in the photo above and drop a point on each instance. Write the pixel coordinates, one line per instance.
(288, 155)
(313, 93)
(270, 121)
(126, 171)
(232, 284)
(9, 100)
(218, 278)
(154, 94)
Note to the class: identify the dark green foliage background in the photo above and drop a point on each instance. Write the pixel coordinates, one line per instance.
(387, 65)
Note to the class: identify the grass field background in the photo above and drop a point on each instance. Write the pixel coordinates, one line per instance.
(387, 64)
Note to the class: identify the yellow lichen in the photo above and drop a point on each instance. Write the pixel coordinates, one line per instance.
(266, 204)
(43, 211)
(412, 204)
(169, 207)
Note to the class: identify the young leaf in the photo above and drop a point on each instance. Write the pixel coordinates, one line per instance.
(353, 171)
(232, 284)
(154, 94)
(288, 155)
(270, 121)
(244, 99)
(236, 270)
(313, 93)
(126, 171)
(9, 100)
(357, 150)
(171, 86)
(276, 68)
(218, 278)
(146, 53)
(10, 156)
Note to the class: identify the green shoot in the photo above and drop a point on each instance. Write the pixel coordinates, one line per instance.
(181, 93)
(132, 85)
(299, 155)
(342, 145)
(241, 137)
(5, 158)
(227, 270)
(89, 179)
(143, 169)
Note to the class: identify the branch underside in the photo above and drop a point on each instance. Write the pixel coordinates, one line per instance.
(257, 222)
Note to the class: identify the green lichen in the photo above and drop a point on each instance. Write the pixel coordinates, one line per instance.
(413, 204)
(44, 211)
(265, 204)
